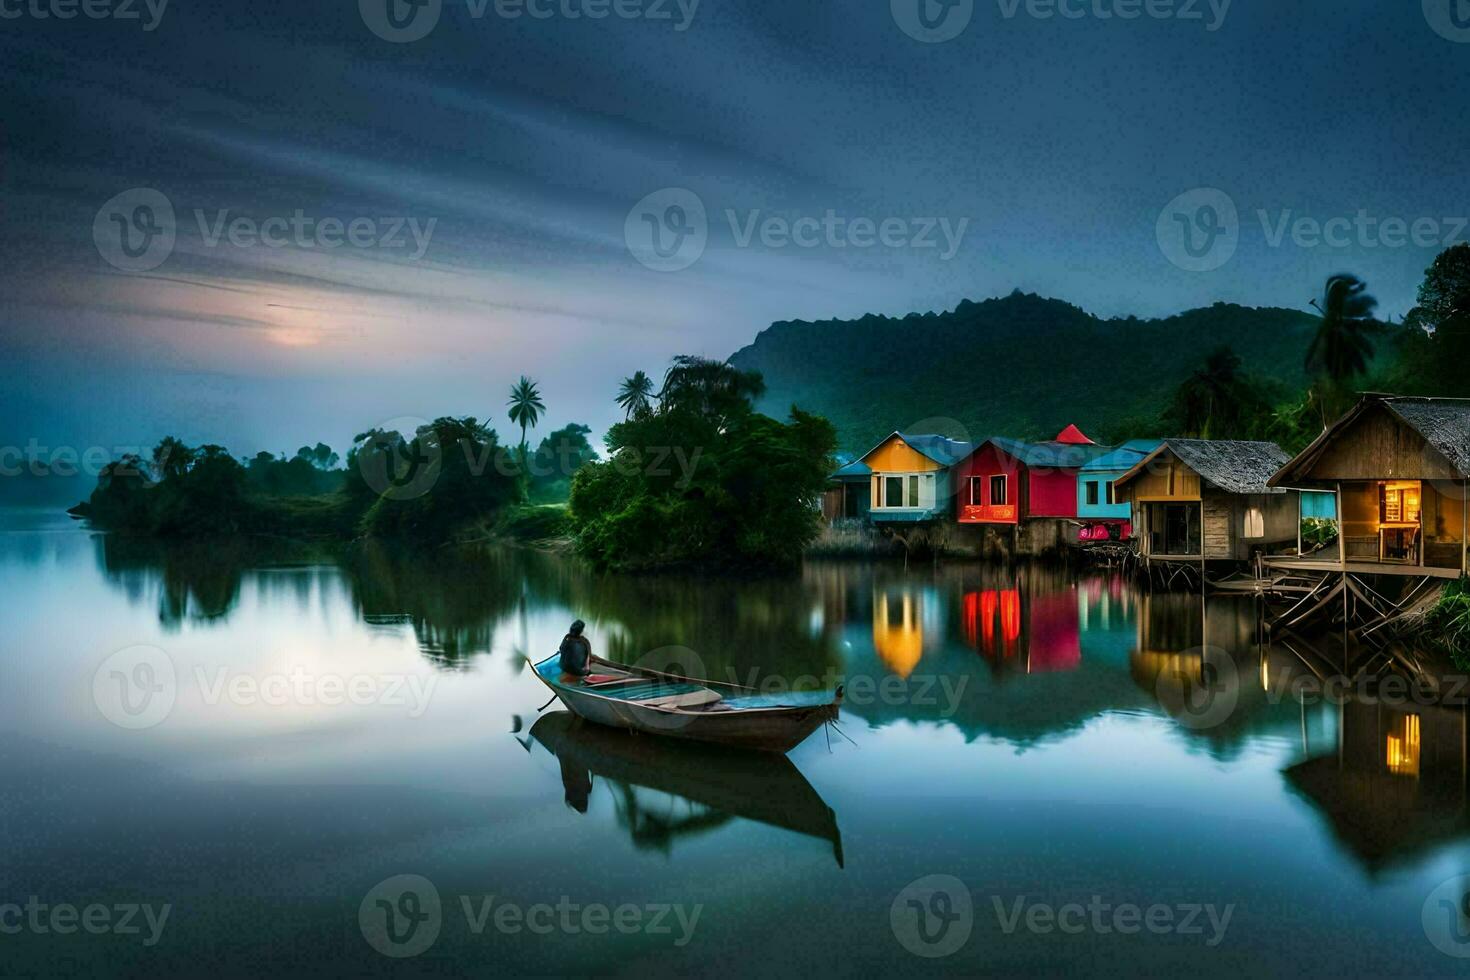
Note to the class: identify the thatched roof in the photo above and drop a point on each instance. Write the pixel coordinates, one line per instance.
(1443, 422)
(1232, 465)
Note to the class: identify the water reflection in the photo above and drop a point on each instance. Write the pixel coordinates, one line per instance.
(1392, 785)
(665, 791)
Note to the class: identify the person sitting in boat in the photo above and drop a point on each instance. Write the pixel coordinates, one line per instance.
(576, 651)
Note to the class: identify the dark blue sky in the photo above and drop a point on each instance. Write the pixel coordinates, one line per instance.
(1025, 151)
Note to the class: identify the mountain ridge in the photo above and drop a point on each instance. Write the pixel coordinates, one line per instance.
(1021, 365)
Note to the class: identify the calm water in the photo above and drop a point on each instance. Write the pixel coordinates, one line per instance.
(319, 725)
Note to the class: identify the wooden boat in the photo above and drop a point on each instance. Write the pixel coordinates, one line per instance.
(657, 703)
(719, 782)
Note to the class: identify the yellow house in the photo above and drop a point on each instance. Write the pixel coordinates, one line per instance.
(909, 480)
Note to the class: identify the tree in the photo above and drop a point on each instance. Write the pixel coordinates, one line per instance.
(705, 480)
(1444, 294)
(1433, 345)
(709, 388)
(1342, 347)
(634, 393)
(467, 480)
(171, 458)
(1208, 402)
(557, 460)
(525, 408)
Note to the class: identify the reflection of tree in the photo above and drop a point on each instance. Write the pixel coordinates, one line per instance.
(768, 628)
(453, 599)
(194, 581)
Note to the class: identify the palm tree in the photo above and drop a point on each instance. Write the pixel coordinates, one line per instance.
(634, 393)
(709, 387)
(1210, 398)
(1343, 344)
(525, 409)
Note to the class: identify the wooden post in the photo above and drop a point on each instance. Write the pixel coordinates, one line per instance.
(1341, 530)
(1300, 498)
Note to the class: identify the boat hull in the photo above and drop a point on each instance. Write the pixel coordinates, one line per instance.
(769, 729)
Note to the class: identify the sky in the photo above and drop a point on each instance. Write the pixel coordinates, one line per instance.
(271, 223)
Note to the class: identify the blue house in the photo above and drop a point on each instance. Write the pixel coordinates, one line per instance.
(850, 496)
(1096, 502)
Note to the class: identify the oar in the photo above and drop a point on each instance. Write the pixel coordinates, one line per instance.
(547, 704)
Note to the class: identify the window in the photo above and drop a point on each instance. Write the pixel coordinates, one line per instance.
(1092, 493)
(913, 500)
(977, 493)
(1255, 523)
(893, 491)
(1112, 497)
(997, 491)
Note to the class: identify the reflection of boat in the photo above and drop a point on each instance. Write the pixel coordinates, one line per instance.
(706, 711)
(725, 782)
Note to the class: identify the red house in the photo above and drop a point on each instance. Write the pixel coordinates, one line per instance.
(1006, 481)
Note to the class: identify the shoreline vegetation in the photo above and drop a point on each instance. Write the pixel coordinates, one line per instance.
(694, 478)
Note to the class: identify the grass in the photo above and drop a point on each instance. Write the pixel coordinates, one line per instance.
(1448, 623)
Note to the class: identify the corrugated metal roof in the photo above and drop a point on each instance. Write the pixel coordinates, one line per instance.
(1125, 457)
(1053, 454)
(942, 449)
(856, 470)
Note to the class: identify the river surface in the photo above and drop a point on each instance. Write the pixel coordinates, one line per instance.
(288, 763)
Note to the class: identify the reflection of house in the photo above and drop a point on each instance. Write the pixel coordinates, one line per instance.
(906, 479)
(1206, 500)
(1400, 468)
(1045, 631)
(992, 622)
(1395, 785)
(903, 620)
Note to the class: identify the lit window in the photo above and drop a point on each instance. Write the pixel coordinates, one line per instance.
(1403, 747)
(1255, 523)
